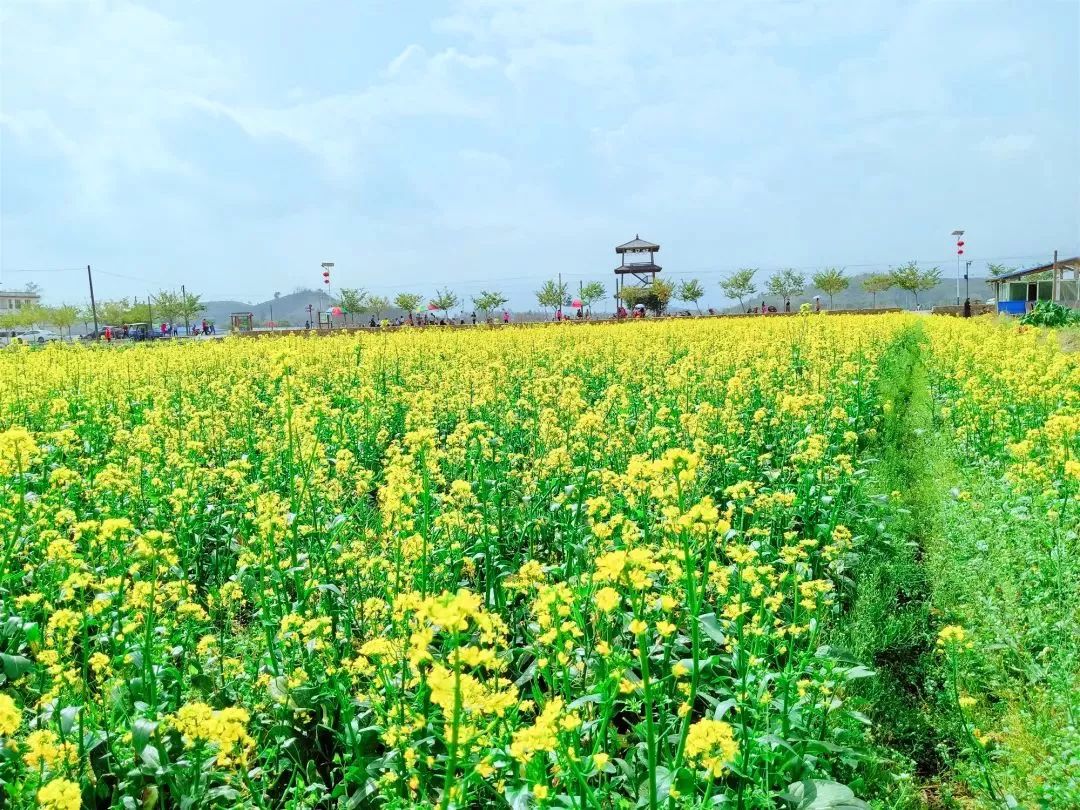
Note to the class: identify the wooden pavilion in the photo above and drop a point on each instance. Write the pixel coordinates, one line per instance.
(635, 264)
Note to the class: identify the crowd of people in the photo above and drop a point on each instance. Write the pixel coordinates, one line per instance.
(144, 331)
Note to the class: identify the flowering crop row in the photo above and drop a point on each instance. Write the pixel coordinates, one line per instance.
(1010, 399)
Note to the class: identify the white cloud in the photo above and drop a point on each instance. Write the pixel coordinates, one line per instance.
(99, 83)
(338, 129)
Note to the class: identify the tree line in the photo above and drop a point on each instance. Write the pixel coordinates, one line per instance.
(174, 307)
(788, 283)
(167, 306)
(658, 295)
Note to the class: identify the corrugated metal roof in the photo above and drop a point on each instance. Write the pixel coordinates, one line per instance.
(1042, 268)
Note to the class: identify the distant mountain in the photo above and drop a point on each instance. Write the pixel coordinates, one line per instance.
(290, 308)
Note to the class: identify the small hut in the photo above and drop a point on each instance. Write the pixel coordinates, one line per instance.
(241, 321)
(1018, 291)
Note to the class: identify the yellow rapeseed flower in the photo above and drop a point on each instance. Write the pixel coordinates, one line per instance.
(59, 794)
(10, 716)
(711, 743)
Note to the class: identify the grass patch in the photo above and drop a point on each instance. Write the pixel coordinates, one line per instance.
(889, 625)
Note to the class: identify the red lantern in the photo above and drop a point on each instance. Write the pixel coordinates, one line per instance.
(960, 252)
(959, 242)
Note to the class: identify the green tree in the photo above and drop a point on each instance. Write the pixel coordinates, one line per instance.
(487, 302)
(377, 305)
(189, 307)
(877, 283)
(910, 278)
(591, 293)
(996, 270)
(352, 301)
(655, 296)
(831, 281)
(445, 300)
(139, 313)
(31, 315)
(168, 306)
(552, 294)
(660, 294)
(114, 313)
(786, 283)
(690, 290)
(408, 301)
(63, 317)
(740, 285)
(632, 296)
(86, 315)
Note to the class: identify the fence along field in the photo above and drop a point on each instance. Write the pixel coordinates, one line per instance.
(542, 567)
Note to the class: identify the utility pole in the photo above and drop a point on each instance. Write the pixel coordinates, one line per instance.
(184, 302)
(959, 234)
(93, 303)
(1054, 291)
(150, 312)
(967, 288)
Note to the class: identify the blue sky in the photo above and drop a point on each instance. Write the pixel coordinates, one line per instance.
(492, 143)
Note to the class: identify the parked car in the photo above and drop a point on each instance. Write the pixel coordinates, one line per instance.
(40, 336)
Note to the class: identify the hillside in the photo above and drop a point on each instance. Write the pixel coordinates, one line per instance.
(290, 308)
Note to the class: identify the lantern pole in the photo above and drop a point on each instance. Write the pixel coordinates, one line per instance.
(959, 234)
(327, 267)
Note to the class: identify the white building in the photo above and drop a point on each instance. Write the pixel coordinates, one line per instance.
(15, 299)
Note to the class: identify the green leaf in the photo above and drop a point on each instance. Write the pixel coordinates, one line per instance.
(821, 794)
(151, 756)
(859, 672)
(15, 666)
(518, 799)
(141, 732)
(712, 627)
(722, 708)
(68, 716)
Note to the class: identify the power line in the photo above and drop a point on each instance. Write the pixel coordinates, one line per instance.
(46, 270)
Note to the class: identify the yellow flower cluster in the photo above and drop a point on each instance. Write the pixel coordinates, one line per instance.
(712, 744)
(10, 716)
(226, 729)
(59, 794)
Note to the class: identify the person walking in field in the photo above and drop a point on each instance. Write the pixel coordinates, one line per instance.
(506, 316)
